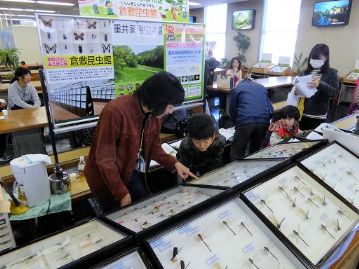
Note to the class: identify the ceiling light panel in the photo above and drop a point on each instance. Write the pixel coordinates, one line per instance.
(55, 3)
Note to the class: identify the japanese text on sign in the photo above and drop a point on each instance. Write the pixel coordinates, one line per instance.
(79, 74)
(138, 29)
(71, 61)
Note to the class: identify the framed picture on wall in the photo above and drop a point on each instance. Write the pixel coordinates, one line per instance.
(243, 19)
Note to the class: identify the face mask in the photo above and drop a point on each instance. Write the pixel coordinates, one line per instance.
(316, 64)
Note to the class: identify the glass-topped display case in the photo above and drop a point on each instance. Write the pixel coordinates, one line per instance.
(339, 169)
(310, 217)
(65, 249)
(159, 209)
(235, 173)
(287, 150)
(229, 236)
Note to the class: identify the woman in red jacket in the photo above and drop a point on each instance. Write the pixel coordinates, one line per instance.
(127, 138)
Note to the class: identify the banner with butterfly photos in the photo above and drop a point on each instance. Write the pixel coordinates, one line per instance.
(88, 62)
(140, 10)
(78, 64)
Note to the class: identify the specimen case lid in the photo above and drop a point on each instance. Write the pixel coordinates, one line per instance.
(313, 220)
(77, 247)
(167, 208)
(238, 174)
(292, 150)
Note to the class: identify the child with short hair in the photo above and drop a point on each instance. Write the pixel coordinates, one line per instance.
(285, 125)
(202, 149)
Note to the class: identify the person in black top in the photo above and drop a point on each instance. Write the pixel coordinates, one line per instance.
(326, 80)
(202, 150)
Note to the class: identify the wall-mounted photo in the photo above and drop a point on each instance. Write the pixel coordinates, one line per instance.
(243, 19)
(331, 13)
(135, 64)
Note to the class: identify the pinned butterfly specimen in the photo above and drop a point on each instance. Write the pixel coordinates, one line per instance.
(91, 25)
(79, 36)
(106, 48)
(49, 49)
(47, 23)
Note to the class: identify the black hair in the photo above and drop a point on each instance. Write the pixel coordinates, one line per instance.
(239, 61)
(201, 126)
(20, 72)
(317, 50)
(22, 62)
(287, 112)
(159, 91)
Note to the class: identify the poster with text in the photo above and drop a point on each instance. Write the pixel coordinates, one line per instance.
(138, 53)
(144, 10)
(184, 48)
(78, 65)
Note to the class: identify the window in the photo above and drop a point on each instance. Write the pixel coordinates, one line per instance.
(215, 18)
(280, 25)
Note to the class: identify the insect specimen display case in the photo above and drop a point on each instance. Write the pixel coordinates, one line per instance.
(238, 173)
(307, 216)
(228, 236)
(78, 247)
(338, 167)
(161, 210)
(288, 150)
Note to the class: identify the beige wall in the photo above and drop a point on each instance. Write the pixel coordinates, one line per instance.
(199, 13)
(27, 41)
(343, 41)
(231, 47)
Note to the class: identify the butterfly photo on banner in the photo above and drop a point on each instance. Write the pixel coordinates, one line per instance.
(91, 25)
(49, 48)
(47, 23)
(79, 36)
(106, 48)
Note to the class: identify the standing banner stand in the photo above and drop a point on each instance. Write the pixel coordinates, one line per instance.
(89, 61)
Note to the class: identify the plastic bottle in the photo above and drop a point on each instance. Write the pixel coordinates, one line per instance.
(81, 167)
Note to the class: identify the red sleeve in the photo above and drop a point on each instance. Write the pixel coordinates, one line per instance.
(108, 132)
(157, 152)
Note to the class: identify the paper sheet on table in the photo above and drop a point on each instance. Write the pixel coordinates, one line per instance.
(168, 149)
(314, 136)
(292, 99)
(301, 85)
(176, 144)
(227, 133)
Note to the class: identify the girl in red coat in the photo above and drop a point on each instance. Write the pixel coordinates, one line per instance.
(285, 126)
